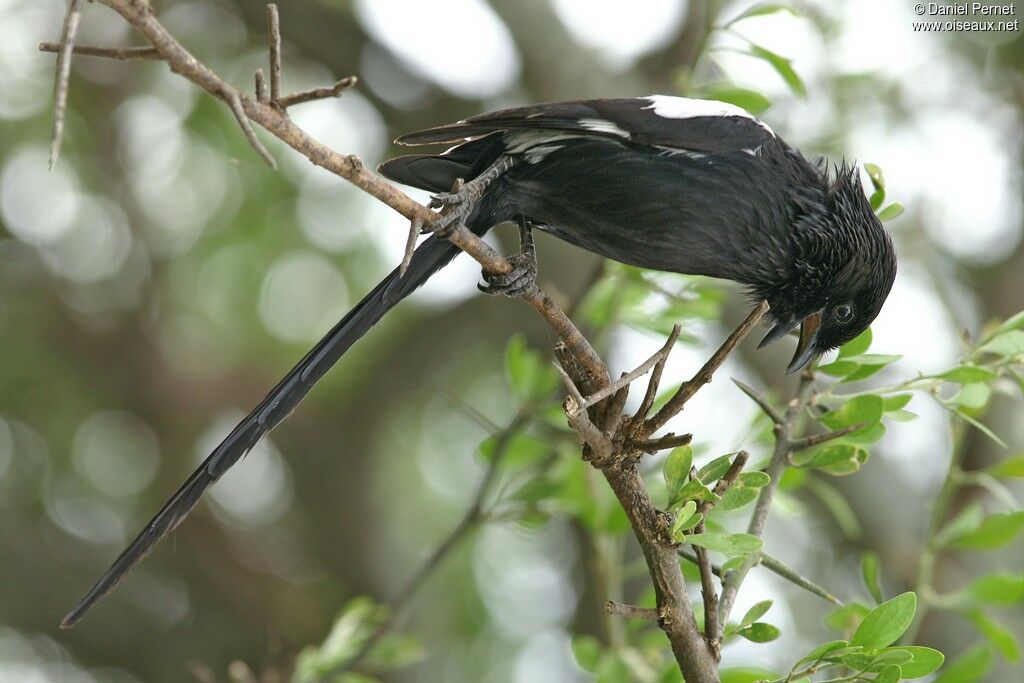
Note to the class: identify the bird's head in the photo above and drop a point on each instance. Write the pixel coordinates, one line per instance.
(844, 270)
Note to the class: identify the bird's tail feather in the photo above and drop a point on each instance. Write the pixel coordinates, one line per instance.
(432, 255)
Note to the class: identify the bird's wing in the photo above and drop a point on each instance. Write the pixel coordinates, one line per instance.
(703, 126)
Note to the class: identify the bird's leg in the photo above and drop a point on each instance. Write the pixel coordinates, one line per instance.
(459, 203)
(522, 279)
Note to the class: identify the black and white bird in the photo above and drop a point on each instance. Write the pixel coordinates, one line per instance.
(667, 183)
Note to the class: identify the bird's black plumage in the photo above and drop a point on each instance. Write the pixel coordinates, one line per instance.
(688, 186)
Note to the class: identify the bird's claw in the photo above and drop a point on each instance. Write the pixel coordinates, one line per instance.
(521, 281)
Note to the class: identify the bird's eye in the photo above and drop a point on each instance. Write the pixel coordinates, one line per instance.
(843, 313)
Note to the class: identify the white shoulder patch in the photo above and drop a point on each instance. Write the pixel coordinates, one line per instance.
(669, 107)
(603, 126)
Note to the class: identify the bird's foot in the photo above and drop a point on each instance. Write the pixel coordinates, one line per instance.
(521, 281)
(459, 203)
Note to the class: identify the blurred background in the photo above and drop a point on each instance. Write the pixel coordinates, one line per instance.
(160, 279)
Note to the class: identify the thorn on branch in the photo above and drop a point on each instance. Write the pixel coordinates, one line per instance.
(116, 53)
(317, 93)
(274, 43)
(814, 439)
(661, 443)
(655, 381)
(235, 102)
(704, 375)
(623, 610)
(63, 77)
(415, 228)
(262, 95)
(760, 400)
(627, 378)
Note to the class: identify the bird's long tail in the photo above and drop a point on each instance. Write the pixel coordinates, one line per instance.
(432, 255)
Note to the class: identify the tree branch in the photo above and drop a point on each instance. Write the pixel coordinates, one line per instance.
(783, 451)
(116, 53)
(703, 376)
(63, 78)
(348, 167)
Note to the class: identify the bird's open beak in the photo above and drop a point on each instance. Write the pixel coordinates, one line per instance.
(805, 349)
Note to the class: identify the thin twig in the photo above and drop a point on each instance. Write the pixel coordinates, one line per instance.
(274, 44)
(621, 609)
(474, 515)
(652, 385)
(704, 375)
(711, 626)
(776, 466)
(785, 571)
(262, 94)
(317, 93)
(661, 443)
(816, 439)
(760, 400)
(350, 168)
(629, 377)
(415, 228)
(63, 78)
(235, 102)
(579, 419)
(116, 53)
(778, 568)
(709, 596)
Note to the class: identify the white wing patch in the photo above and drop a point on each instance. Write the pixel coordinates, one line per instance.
(669, 107)
(603, 126)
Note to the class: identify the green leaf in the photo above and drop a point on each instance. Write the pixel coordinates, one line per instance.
(856, 346)
(761, 9)
(870, 567)
(715, 469)
(587, 650)
(1006, 344)
(1014, 322)
(967, 374)
(890, 212)
(727, 544)
(1000, 638)
(994, 531)
(837, 505)
(897, 402)
(972, 397)
(889, 674)
(819, 653)
(867, 409)
(967, 520)
(679, 528)
(756, 612)
(677, 469)
(971, 666)
(839, 368)
(1007, 468)
(887, 622)
(693, 490)
(782, 66)
(926, 660)
(1001, 589)
(838, 459)
(744, 98)
(682, 517)
(743, 491)
(875, 174)
(759, 632)
(746, 675)
(531, 376)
